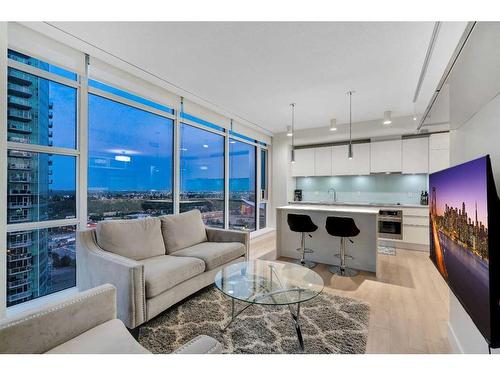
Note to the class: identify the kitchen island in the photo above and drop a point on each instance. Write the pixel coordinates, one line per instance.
(364, 248)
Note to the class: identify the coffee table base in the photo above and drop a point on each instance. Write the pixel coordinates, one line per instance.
(295, 317)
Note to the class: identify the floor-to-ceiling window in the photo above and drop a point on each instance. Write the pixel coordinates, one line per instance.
(242, 185)
(263, 189)
(41, 178)
(130, 160)
(202, 173)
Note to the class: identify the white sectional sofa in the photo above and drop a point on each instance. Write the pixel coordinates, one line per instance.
(85, 323)
(155, 262)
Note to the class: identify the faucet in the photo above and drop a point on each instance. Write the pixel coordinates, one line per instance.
(334, 191)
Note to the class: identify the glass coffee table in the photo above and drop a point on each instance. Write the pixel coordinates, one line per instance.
(269, 283)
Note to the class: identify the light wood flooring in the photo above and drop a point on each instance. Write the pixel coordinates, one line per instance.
(408, 299)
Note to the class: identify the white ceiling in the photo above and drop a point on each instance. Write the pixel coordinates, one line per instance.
(256, 69)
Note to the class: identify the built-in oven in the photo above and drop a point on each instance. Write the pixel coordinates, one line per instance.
(390, 224)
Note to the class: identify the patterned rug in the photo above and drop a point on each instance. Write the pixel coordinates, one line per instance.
(330, 324)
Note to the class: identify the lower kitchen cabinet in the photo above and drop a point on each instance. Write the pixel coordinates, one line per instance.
(416, 234)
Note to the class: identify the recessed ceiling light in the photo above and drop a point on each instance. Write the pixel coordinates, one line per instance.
(387, 118)
(205, 146)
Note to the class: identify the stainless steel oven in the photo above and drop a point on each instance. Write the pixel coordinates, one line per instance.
(390, 224)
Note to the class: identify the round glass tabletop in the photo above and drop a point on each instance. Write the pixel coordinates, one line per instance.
(269, 283)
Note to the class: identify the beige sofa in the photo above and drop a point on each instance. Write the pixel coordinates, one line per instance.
(155, 262)
(85, 323)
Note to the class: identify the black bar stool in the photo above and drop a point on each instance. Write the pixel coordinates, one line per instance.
(302, 224)
(343, 227)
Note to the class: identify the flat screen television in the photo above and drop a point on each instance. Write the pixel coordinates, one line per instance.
(464, 234)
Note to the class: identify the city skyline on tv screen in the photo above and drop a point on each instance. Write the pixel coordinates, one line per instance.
(459, 235)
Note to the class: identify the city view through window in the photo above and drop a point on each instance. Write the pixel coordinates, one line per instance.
(40, 186)
(202, 174)
(242, 185)
(130, 172)
(130, 162)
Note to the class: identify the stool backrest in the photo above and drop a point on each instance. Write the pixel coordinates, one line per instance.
(341, 226)
(301, 223)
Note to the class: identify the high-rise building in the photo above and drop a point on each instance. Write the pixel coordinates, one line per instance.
(29, 121)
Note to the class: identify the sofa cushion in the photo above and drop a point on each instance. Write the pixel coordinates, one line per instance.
(110, 337)
(182, 230)
(214, 254)
(164, 272)
(135, 239)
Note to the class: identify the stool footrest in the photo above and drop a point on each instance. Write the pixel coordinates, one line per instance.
(306, 251)
(346, 256)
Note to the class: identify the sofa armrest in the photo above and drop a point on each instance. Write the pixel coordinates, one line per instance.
(229, 235)
(200, 345)
(97, 266)
(39, 330)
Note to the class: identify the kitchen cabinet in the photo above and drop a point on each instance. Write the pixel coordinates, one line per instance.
(322, 161)
(358, 165)
(386, 156)
(304, 162)
(416, 234)
(439, 152)
(415, 156)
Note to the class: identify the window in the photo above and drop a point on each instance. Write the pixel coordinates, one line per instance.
(263, 189)
(130, 162)
(41, 187)
(242, 185)
(202, 174)
(41, 182)
(40, 262)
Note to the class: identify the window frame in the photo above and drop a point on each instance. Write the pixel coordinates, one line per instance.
(62, 151)
(140, 106)
(223, 134)
(80, 152)
(257, 177)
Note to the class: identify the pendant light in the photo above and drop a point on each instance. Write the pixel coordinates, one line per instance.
(387, 118)
(289, 131)
(293, 132)
(333, 124)
(349, 150)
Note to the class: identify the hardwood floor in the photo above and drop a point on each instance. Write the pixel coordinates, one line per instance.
(408, 299)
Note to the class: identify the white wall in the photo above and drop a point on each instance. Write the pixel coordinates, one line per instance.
(474, 118)
(282, 182)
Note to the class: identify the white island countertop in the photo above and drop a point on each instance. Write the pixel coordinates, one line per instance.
(330, 208)
(363, 249)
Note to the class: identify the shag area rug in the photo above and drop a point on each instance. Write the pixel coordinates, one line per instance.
(330, 324)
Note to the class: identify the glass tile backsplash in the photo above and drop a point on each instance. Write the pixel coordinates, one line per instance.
(391, 188)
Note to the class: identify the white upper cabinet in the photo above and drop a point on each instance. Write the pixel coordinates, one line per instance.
(386, 156)
(358, 165)
(323, 161)
(439, 152)
(304, 162)
(416, 155)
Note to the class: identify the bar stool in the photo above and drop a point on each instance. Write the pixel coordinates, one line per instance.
(302, 224)
(343, 227)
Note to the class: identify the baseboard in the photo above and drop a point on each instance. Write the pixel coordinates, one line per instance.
(452, 339)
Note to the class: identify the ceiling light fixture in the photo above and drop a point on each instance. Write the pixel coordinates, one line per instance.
(387, 118)
(293, 132)
(349, 149)
(289, 131)
(333, 124)
(123, 158)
